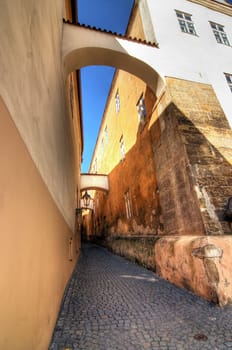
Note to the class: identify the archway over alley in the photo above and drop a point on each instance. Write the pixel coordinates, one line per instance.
(83, 47)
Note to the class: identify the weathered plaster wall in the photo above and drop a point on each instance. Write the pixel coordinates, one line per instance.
(200, 264)
(137, 249)
(187, 147)
(32, 87)
(35, 255)
(136, 172)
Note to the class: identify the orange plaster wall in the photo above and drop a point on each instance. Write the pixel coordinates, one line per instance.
(223, 266)
(34, 240)
(182, 261)
(135, 28)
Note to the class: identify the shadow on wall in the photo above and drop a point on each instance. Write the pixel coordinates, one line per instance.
(194, 177)
(177, 181)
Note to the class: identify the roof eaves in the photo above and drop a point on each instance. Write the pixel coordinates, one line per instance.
(149, 43)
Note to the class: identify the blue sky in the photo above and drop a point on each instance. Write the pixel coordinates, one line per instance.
(96, 80)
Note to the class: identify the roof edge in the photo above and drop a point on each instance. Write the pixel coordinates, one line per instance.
(149, 43)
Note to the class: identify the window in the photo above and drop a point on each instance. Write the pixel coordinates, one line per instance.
(106, 135)
(219, 33)
(95, 166)
(229, 80)
(102, 147)
(186, 23)
(141, 109)
(128, 205)
(122, 147)
(117, 102)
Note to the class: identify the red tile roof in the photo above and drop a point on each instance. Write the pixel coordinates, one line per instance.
(111, 33)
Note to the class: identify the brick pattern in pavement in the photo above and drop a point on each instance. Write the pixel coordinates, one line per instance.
(114, 304)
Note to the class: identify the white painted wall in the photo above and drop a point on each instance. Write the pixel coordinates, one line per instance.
(199, 58)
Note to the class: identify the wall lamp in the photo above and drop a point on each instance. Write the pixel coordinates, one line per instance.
(86, 199)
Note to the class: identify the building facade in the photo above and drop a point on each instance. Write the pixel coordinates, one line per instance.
(41, 146)
(169, 158)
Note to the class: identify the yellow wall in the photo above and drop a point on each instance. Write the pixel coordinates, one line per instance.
(40, 159)
(125, 122)
(34, 238)
(32, 86)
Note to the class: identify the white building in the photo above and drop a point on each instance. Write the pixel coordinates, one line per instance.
(194, 38)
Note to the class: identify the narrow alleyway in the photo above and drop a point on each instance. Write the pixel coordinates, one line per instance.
(113, 304)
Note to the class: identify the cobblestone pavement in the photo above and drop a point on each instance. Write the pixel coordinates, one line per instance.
(113, 304)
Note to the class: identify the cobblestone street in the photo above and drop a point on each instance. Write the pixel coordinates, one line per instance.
(114, 304)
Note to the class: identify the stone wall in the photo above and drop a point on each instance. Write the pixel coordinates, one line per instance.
(207, 139)
(200, 264)
(179, 206)
(178, 170)
(181, 165)
(138, 249)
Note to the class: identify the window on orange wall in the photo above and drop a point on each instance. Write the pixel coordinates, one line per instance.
(122, 148)
(106, 135)
(185, 22)
(229, 80)
(141, 109)
(219, 33)
(102, 147)
(128, 204)
(117, 102)
(95, 166)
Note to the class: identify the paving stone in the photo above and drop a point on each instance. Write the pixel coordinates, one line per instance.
(113, 304)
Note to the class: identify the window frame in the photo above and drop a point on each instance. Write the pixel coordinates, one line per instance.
(141, 109)
(117, 102)
(185, 22)
(122, 148)
(128, 204)
(228, 77)
(106, 133)
(219, 33)
(102, 146)
(95, 165)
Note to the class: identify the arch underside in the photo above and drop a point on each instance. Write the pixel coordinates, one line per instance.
(82, 47)
(94, 182)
